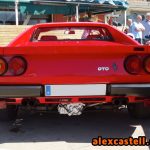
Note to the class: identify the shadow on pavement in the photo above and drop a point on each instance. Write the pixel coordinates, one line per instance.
(77, 129)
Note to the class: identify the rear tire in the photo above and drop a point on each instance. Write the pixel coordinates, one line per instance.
(10, 113)
(138, 110)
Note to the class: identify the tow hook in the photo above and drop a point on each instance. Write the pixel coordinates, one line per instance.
(72, 109)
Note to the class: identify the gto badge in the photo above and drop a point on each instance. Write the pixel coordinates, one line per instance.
(103, 69)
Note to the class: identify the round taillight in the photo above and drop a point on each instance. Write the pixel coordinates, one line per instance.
(17, 65)
(133, 64)
(147, 64)
(3, 66)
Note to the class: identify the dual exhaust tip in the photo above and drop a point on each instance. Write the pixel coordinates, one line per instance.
(119, 101)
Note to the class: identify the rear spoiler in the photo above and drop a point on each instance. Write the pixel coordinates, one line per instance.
(23, 50)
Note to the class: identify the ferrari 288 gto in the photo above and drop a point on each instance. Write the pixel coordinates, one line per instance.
(71, 67)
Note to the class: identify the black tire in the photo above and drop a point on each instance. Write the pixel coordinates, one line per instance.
(10, 113)
(138, 110)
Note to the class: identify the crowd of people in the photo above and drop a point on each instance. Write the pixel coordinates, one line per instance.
(139, 29)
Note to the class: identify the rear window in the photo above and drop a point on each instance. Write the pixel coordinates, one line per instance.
(71, 33)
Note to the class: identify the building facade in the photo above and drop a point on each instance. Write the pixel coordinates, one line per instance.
(138, 7)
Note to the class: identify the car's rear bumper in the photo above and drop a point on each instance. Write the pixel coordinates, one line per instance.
(21, 91)
(130, 90)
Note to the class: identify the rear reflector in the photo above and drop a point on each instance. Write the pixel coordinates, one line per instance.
(17, 65)
(133, 64)
(3, 66)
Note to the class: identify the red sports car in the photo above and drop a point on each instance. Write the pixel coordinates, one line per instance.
(73, 66)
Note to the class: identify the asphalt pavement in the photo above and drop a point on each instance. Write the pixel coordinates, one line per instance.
(59, 132)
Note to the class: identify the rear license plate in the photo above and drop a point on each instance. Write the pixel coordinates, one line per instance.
(75, 90)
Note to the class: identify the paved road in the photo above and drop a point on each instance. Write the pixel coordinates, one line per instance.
(57, 132)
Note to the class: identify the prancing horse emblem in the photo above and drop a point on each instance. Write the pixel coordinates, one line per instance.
(114, 65)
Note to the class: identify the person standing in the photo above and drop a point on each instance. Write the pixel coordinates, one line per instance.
(128, 29)
(138, 29)
(130, 25)
(146, 24)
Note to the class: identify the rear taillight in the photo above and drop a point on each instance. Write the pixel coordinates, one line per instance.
(17, 65)
(147, 64)
(133, 64)
(3, 66)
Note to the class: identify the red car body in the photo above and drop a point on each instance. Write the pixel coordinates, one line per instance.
(120, 65)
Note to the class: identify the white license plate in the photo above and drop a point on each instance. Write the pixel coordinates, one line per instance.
(75, 90)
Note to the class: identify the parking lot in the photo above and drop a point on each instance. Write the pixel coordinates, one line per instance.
(58, 132)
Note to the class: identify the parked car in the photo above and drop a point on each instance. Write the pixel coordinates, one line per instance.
(73, 66)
